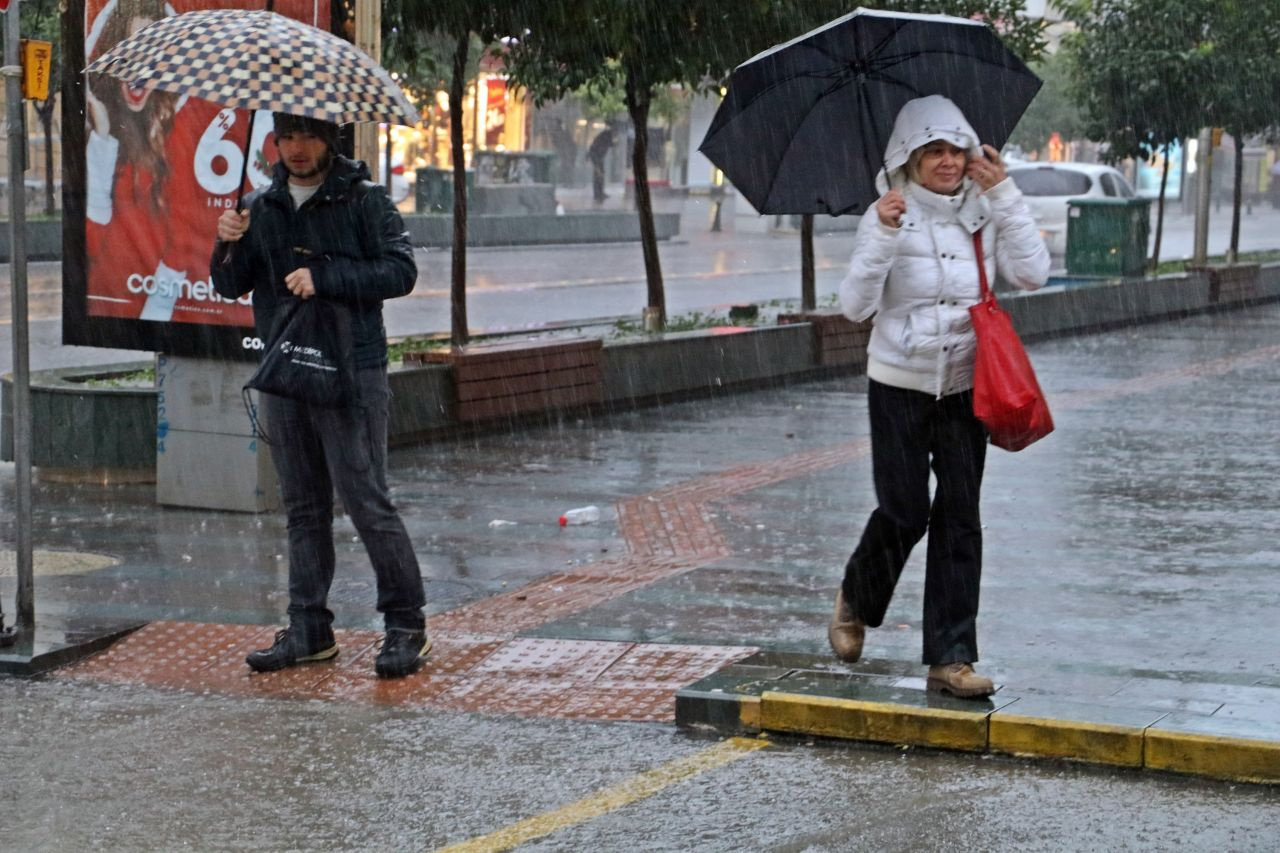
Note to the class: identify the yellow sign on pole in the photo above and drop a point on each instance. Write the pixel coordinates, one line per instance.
(37, 64)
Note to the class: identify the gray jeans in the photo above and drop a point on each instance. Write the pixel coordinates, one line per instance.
(316, 450)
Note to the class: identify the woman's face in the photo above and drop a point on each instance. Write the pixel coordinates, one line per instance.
(135, 97)
(942, 166)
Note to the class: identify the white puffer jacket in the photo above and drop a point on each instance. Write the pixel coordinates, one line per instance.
(919, 280)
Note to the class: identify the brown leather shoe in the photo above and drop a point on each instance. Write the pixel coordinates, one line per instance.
(960, 680)
(846, 632)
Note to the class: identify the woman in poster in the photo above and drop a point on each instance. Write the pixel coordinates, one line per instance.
(161, 168)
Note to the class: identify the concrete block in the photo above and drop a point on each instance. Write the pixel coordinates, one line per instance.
(214, 471)
(203, 394)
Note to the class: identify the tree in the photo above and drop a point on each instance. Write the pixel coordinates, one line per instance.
(1053, 110)
(640, 46)
(1242, 51)
(40, 21)
(1140, 72)
(434, 42)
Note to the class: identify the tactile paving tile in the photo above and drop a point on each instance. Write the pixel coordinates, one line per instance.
(172, 653)
(581, 679)
(654, 665)
(504, 694)
(577, 660)
(621, 704)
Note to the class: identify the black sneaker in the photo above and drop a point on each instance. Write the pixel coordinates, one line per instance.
(402, 653)
(288, 650)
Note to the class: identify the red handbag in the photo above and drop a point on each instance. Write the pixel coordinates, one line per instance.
(1006, 396)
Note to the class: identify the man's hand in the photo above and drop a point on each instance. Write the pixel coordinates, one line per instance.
(300, 284)
(890, 208)
(232, 225)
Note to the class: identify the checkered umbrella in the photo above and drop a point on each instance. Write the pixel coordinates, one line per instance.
(261, 61)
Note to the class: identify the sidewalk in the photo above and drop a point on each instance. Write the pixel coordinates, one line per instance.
(1128, 605)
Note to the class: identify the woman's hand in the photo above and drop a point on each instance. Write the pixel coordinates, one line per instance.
(890, 208)
(988, 170)
(99, 118)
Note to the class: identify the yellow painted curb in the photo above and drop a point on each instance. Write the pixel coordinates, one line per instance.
(749, 713)
(1080, 741)
(873, 721)
(1239, 759)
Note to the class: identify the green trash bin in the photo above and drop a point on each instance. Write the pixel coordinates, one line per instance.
(1108, 236)
(433, 189)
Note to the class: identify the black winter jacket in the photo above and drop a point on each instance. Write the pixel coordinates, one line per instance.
(350, 236)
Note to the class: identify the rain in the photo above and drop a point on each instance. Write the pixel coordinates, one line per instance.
(630, 445)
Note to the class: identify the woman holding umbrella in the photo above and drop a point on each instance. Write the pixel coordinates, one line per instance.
(915, 269)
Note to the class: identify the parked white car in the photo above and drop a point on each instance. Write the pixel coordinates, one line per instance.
(1048, 187)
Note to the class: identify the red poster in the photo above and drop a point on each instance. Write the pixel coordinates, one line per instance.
(495, 119)
(160, 169)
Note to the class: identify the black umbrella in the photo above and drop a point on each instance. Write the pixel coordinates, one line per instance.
(804, 125)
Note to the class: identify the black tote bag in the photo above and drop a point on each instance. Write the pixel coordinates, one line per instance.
(310, 356)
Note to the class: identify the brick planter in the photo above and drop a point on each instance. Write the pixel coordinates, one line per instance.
(837, 340)
(508, 380)
(1231, 282)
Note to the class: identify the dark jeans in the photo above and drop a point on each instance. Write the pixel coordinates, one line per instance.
(316, 451)
(910, 433)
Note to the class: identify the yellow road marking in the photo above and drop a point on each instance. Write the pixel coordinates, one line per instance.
(603, 802)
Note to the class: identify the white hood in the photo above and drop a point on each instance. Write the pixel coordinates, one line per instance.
(920, 122)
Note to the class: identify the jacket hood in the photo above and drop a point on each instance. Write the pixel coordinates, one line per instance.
(919, 122)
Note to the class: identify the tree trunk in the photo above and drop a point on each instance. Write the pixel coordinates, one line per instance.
(638, 106)
(1237, 195)
(458, 330)
(808, 288)
(1164, 182)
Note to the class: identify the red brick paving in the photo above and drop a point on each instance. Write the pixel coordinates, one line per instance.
(581, 679)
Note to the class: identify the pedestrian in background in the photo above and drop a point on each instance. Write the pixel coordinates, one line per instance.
(915, 269)
(322, 230)
(596, 153)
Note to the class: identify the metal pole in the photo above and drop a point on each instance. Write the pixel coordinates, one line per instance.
(1204, 168)
(21, 348)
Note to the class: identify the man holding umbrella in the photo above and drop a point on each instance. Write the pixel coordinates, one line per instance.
(322, 230)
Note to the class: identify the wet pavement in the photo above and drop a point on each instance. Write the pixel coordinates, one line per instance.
(1130, 584)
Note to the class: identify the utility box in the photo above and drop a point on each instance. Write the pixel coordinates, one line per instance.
(1108, 236)
(433, 189)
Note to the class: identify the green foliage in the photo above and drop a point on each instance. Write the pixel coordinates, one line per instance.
(1147, 72)
(1053, 109)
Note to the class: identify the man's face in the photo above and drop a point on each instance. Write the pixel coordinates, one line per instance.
(305, 157)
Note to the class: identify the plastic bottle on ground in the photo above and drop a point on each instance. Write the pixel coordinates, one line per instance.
(581, 515)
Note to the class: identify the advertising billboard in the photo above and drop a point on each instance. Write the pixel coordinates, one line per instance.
(147, 175)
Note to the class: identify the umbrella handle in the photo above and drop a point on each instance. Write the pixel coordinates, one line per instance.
(244, 164)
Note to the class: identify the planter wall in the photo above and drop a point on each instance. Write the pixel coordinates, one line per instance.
(43, 241)
(516, 230)
(86, 432)
(685, 363)
(104, 432)
(44, 238)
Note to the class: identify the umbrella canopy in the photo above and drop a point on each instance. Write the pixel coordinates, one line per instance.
(804, 125)
(258, 60)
